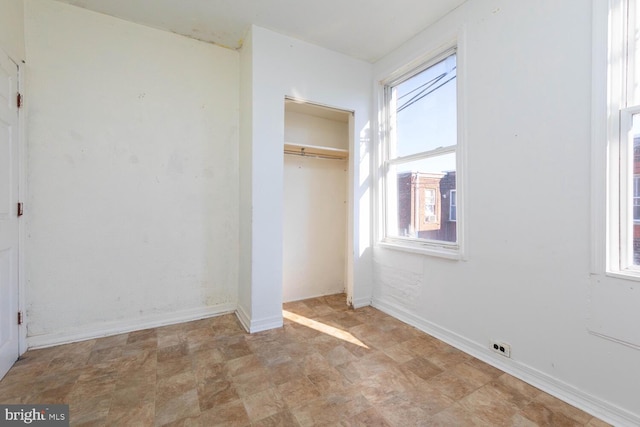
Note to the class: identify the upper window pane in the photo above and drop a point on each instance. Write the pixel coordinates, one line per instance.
(425, 107)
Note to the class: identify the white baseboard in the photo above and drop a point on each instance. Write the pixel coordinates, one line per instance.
(257, 325)
(566, 392)
(314, 295)
(265, 324)
(122, 326)
(244, 318)
(361, 302)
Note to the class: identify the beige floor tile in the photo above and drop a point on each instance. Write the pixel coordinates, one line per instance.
(471, 374)
(560, 407)
(281, 419)
(230, 415)
(315, 412)
(545, 417)
(368, 418)
(421, 367)
(299, 391)
(597, 423)
(210, 372)
(264, 404)
(348, 402)
(455, 415)
(400, 412)
(212, 392)
(175, 366)
(285, 372)
(178, 405)
(451, 385)
(252, 382)
(489, 405)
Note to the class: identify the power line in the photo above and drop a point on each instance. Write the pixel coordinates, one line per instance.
(430, 82)
(419, 97)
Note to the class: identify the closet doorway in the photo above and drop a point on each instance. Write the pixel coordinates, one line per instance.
(315, 197)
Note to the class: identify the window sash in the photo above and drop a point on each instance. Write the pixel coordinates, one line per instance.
(626, 183)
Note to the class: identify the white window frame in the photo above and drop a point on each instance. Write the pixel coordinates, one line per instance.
(613, 294)
(450, 250)
(619, 149)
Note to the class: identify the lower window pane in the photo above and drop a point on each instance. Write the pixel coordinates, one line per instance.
(419, 203)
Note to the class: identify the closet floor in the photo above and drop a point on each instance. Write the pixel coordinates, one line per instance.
(328, 365)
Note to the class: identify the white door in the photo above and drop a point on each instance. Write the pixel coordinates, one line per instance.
(9, 350)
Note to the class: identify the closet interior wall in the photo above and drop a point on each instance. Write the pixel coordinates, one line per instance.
(315, 201)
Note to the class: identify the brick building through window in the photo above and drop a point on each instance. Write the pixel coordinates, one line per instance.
(424, 205)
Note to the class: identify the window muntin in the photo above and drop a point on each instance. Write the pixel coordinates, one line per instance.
(421, 145)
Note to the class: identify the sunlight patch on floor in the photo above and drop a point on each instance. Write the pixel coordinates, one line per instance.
(322, 327)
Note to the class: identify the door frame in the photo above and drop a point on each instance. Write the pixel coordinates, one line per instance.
(348, 273)
(21, 164)
(22, 196)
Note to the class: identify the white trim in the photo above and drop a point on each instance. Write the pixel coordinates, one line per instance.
(22, 196)
(252, 326)
(633, 276)
(361, 302)
(423, 248)
(265, 324)
(318, 296)
(566, 392)
(439, 151)
(418, 65)
(598, 152)
(244, 318)
(122, 326)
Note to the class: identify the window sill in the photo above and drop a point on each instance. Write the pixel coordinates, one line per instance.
(423, 249)
(634, 276)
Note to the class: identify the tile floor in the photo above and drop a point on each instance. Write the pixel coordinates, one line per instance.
(327, 366)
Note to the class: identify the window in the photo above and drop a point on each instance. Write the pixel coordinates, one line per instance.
(452, 205)
(420, 155)
(430, 205)
(624, 138)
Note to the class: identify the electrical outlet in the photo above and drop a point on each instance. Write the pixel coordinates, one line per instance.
(501, 348)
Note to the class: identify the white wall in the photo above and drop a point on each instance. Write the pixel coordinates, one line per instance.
(282, 66)
(12, 28)
(527, 74)
(133, 175)
(315, 210)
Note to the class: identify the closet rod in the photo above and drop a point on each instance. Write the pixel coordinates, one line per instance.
(314, 156)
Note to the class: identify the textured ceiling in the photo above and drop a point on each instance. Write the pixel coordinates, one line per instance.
(364, 29)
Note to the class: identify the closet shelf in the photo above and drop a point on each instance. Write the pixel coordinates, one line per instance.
(315, 151)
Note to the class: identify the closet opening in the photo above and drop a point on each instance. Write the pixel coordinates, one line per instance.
(315, 202)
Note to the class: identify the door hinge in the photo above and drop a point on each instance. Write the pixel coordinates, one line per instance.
(19, 100)
(20, 209)
(19, 318)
